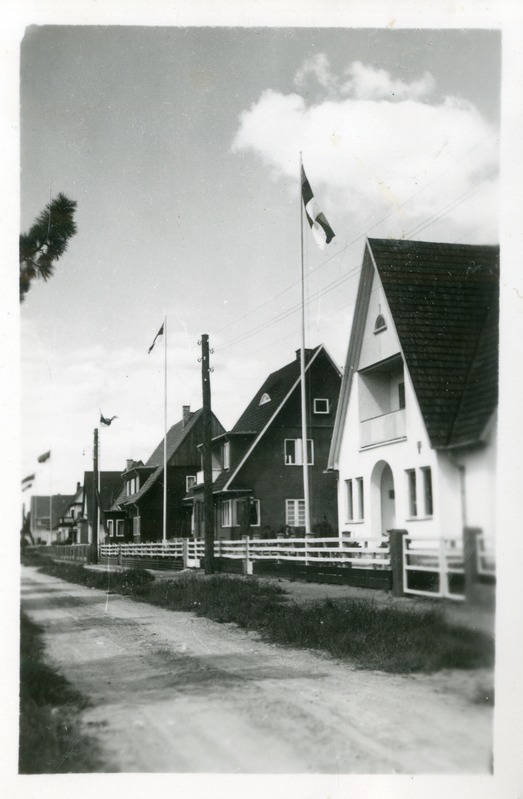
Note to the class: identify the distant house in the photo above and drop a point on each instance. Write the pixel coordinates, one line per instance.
(258, 465)
(42, 530)
(68, 521)
(414, 442)
(137, 512)
(110, 487)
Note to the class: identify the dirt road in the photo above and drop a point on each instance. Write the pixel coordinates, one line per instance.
(175, 693)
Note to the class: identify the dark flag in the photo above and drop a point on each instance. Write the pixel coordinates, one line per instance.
(45, 457)
(28, 479)
(160, 333)
(322, 231)
(105, 421)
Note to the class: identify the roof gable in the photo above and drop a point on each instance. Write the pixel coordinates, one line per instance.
(444, 299)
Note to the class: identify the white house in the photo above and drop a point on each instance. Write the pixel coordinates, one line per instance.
(414, 442)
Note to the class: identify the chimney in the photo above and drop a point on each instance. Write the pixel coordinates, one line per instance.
(307, 355)
(128, 464)
(186, 414)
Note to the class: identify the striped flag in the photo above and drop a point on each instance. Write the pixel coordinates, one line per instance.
(160, 333)
(45, 457)
(322, 231)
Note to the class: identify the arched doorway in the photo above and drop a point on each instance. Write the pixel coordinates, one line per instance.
(383, 499)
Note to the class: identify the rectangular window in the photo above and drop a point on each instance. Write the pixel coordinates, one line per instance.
(110, 527)
(120, 528)
(226, 514)
(427, 491)
(294, 450)
(355, 505)
(321, 406)
(295, 512)
(361, 508)
(401, 395)
(190, 481)
(350, 499)
(254, 513)
(413, 502)
(226, 455)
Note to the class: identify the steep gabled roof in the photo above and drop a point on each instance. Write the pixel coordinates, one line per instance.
(110, 487)
(40, 506)
(444, 299)
(176, 435)
(256, 418)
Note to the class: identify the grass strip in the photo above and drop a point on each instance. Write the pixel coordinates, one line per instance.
(50, 740)
(390, 639)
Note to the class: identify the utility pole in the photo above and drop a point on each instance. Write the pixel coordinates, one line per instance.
(208, 506)
(95, 498)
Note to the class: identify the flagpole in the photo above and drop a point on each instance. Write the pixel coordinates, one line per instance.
(50, 501)
(302, 371)
(164, 535)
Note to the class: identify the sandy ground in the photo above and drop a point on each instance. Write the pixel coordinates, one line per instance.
(174, 693)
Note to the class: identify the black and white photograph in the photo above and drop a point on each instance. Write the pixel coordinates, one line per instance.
(261, 425)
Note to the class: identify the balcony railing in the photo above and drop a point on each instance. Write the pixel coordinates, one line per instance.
(379, 429)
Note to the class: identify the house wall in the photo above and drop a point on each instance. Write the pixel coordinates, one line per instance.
(271, 480)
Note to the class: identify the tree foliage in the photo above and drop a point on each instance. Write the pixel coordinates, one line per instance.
(46, 241)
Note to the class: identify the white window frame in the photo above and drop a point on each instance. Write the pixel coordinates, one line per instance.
(226, 513)
(110, 527)
(293, 508)
(258, 513)
(354, 497)
(316, 408)
(298, 452)
(428, 491)
(188, 484)
(120, 528)
(264, 399)
(226, 454)
(412, 493)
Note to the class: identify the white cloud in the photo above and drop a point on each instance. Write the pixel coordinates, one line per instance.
(383, 151)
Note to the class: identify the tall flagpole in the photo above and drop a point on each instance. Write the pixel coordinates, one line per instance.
(164, 536)
(302, 372)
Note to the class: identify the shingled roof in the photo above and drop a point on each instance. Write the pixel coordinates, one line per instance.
(444, 299)
(256, 417)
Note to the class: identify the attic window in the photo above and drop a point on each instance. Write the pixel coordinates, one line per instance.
(264, 399)
(380, 324)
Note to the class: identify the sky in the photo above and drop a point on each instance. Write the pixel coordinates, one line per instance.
(181, 147)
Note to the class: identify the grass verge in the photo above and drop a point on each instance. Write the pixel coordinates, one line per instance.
(50, 738)
(372, 637)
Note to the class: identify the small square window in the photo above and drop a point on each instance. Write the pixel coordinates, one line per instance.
(190, 481)
(321, 406)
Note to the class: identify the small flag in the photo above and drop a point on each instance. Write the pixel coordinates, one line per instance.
(105, 421)
(160, 333)
(322, 231)
(45, 457)
(28, 479)
(27, 486)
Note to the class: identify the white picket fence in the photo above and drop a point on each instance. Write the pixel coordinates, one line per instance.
(439, 558)
(368, 554)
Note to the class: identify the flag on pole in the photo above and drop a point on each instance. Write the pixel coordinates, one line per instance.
(27, 486)
(105, 421)
(28, 479)
(160, 333)
(45, 457)
(322, 231)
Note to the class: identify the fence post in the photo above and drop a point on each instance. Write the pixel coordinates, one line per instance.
(185, 552)
(119, 554)
(397, 545)
(247, 562)
(470, 562)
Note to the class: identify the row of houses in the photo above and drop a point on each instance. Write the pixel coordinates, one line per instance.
(405, 438)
